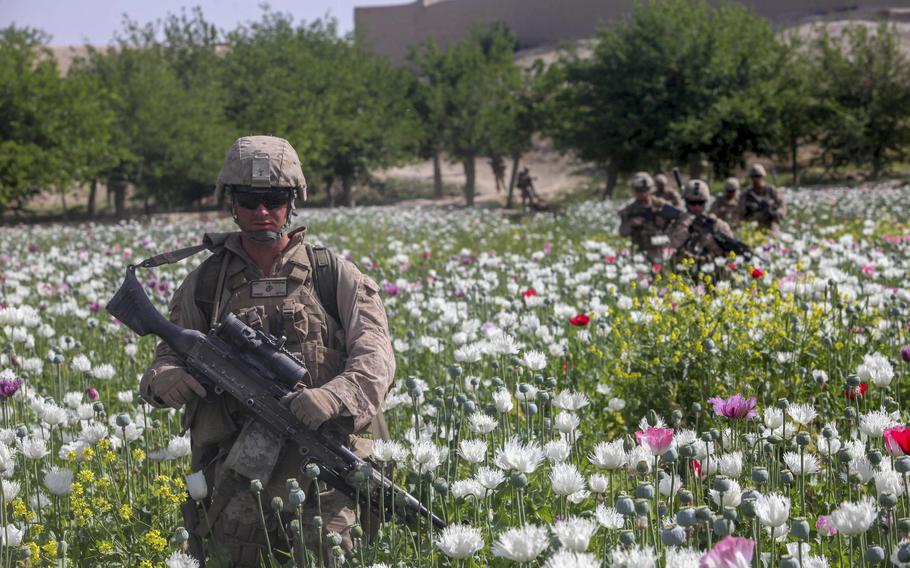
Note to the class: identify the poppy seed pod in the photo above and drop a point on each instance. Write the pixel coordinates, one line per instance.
(799, 528)
(786, 477)
(875, 554)
(685, 517)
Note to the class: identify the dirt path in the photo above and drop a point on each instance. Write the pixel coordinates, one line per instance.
(554, 174)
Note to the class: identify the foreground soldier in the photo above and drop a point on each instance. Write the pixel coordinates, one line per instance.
(642, 220)
(695, 235)
(762, 203)
(663, 190)
(333, 320)
(726, 204)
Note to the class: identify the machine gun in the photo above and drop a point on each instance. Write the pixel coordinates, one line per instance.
(255, 369)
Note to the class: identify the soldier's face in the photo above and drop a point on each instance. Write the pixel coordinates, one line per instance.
(695, 207)
(758, 182)
(260, 217)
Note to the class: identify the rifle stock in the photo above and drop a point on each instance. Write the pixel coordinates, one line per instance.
(253, 368)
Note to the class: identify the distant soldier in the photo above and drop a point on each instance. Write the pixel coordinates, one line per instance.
(762, 203)
(726, 204)
(644, 218)
(525, 183)
(697, 235)
(666, 192)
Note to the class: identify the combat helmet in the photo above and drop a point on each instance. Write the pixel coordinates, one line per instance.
(642, 181)
(661, 180)
(731, 184)
(696, 190)
(757, 170)
(259, 165)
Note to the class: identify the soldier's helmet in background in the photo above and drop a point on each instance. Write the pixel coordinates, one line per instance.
(642, 181)
(757, 170)
(731, 185)
(696, 190)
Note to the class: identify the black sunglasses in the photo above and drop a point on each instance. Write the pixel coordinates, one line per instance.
(695, 202)
(271, 199)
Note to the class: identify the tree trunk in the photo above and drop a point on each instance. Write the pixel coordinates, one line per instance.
(695, 166)
(612, 174)
(515, 161)
(469, 181)
(90, 204)
(118, 187)
(347, 191)
(63, 202)
(877, 163)
(109, 195)
(437, 177)
(794, 163)
(219, 203)
(329, 190)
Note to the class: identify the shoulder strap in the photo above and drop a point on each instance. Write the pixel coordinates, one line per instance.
(325, 277)
(207, 283)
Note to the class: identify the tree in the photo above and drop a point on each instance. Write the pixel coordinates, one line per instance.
(29, 85)
(675, 80)
(339, 106)
(797, 110)
(170, 127)
(428, 97)
(477, 79)
(864, 78)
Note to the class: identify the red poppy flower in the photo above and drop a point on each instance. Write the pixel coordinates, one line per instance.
(657, 267)
(757, 273)
(610, 259)
(861, 389)
(897, 440)
(580, 320)
(529, 292)
(696, 468)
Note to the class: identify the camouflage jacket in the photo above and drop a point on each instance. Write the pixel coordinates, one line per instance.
(768, 209)
(726, 209)
(352, 357)
(697, 244)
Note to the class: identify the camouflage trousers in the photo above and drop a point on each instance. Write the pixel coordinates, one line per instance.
(240, 539)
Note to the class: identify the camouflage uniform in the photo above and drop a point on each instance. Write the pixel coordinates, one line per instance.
(690, 234)
(765, 206)
(353, 358)
(664, 191)
(642, 222)
(690, 243)
(726, 204)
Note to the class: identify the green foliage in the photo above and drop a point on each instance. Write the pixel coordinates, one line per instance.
(863, 80)
(470, 96)
(170, 125)
(341, 109)
(676, 80)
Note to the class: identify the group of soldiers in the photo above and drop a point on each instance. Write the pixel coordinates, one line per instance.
(660, 216)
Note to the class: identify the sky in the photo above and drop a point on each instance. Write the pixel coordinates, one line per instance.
(76, 22)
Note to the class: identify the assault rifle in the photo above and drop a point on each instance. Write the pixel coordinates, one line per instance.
(705, 225)
(254, 368)
(760, 209)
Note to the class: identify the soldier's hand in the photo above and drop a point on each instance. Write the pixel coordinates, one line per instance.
(313, 406)
(174, 386)
(638, 221)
